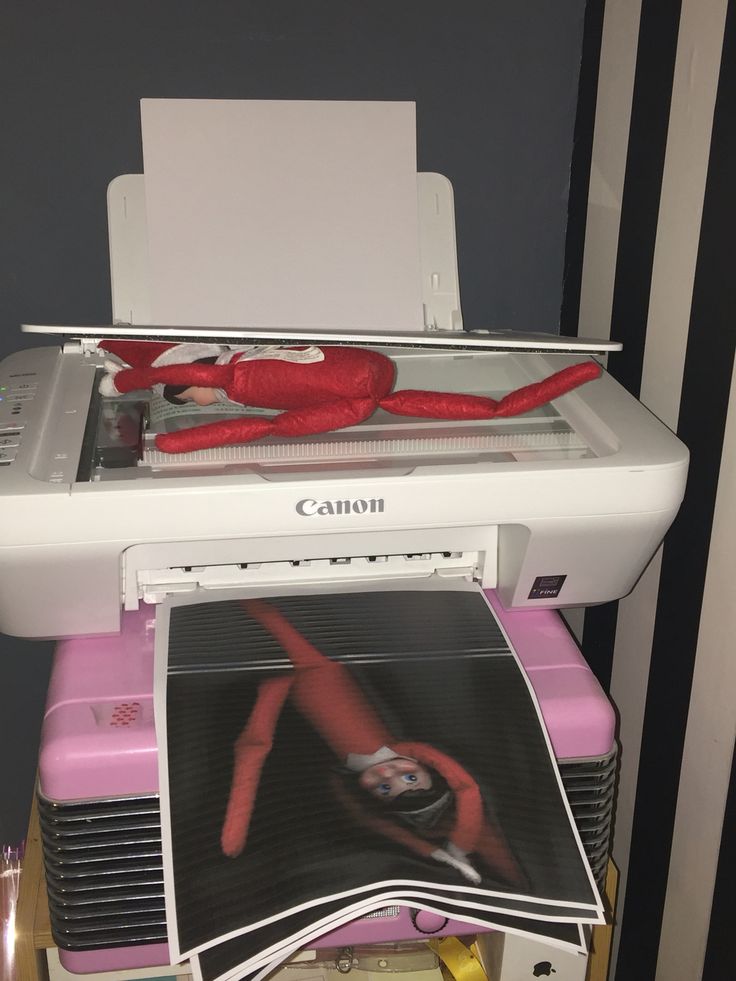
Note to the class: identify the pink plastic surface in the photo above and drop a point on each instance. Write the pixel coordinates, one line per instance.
(115, 959)
(579, 717)
(98, 737)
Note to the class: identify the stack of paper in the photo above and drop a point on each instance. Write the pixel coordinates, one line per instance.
(326, 754)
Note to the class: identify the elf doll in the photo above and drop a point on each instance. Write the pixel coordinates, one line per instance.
(409, 792)
(314, 389)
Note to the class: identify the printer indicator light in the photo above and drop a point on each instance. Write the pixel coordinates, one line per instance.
(547, 587)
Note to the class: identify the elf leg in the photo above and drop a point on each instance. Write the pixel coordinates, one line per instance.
(309, 421)
(324, 691)
(452, 405)
(539, 393)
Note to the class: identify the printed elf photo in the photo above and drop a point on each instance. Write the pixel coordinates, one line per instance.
(322, 745)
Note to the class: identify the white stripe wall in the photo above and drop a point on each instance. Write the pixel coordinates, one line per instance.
(608, 164)
(706, 767)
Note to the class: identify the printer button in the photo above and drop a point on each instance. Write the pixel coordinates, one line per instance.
(11, 439)
(7, 456)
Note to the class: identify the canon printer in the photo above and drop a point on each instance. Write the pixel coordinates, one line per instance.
(562, 507)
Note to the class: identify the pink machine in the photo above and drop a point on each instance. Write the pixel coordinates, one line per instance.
(99, 806)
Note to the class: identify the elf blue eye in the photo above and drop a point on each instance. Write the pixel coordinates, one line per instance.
(385, 788)
(410, 777)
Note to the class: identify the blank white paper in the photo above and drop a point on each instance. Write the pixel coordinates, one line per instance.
(281, 214)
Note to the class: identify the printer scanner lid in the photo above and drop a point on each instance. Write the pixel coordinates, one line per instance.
(436, 339)
(442, 324)
(443, 328)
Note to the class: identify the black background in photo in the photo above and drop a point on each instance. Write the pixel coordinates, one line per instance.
(440, 673)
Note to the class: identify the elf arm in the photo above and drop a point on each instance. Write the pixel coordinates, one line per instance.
(468, 802)
(324, 690)
(251, 749)
(321, 418)
(473, 831)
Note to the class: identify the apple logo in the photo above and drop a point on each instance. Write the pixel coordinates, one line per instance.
(543, 969)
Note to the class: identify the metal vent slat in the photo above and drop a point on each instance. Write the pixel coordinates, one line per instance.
(93, 897)
(104, 864)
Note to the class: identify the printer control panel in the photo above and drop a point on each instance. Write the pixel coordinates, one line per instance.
(44, 403)
(17, 391)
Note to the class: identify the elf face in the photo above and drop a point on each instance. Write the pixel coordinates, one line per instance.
(199, 394)
(389, 780)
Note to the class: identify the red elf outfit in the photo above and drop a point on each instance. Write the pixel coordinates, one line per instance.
(316, 389)
(326, 694)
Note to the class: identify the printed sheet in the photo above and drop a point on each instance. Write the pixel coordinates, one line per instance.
(326, 747)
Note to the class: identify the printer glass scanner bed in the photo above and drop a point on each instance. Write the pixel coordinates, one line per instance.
(120, 431)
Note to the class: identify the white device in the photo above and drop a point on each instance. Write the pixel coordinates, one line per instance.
(560, 507)
(510, 957)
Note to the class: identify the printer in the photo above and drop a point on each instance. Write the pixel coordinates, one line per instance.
(561, 507)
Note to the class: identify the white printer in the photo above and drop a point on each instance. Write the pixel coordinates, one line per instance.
(560, 507)
(563, 508)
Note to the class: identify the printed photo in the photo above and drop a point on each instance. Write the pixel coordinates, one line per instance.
(322, 746)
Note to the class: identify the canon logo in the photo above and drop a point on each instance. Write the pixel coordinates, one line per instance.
(308, 506)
